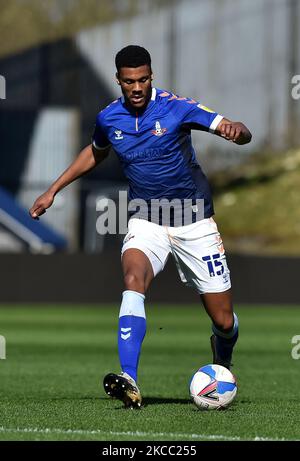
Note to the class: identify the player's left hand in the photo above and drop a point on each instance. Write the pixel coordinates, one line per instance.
(234, 131)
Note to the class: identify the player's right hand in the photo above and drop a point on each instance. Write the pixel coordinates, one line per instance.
(41, 204)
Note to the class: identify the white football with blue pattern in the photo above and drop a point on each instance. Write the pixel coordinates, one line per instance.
(213, 387)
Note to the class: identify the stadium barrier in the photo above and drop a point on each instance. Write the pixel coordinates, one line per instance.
(97, 278)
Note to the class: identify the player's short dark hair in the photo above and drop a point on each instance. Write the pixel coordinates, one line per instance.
(132, 56)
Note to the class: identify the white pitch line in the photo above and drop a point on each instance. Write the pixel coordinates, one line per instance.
(27, 430)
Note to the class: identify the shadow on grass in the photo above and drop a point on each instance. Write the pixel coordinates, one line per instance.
(148, 400)
(163, 400)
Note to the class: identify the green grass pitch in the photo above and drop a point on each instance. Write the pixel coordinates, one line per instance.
(56, 357)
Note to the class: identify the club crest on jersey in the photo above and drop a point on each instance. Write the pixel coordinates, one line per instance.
(159, 131)
(118, 134)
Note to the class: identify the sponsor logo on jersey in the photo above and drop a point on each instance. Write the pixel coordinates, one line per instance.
(159, 131)
(118, 134)
(207, 109)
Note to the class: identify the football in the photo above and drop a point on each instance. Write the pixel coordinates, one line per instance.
(213, 387)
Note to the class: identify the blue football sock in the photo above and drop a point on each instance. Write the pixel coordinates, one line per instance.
(132, 329)
(225, 341)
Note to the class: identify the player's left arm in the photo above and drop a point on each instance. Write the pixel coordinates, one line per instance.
(235, 132)
(196, 116)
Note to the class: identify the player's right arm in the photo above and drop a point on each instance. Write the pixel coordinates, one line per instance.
(87, 159)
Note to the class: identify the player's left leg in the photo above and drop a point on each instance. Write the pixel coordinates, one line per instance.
(201, 262)
(224, 325)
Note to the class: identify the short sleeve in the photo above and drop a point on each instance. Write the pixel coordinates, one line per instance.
(99, 138)
(199, 117)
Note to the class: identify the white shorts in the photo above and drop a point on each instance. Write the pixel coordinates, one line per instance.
(197, 249)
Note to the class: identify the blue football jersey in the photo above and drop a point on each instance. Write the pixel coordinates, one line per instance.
(155, 147)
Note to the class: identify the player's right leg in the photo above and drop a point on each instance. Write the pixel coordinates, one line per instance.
(140, 265)
(138, 274)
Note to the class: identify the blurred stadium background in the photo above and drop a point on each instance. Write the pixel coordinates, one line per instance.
(57, 57)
